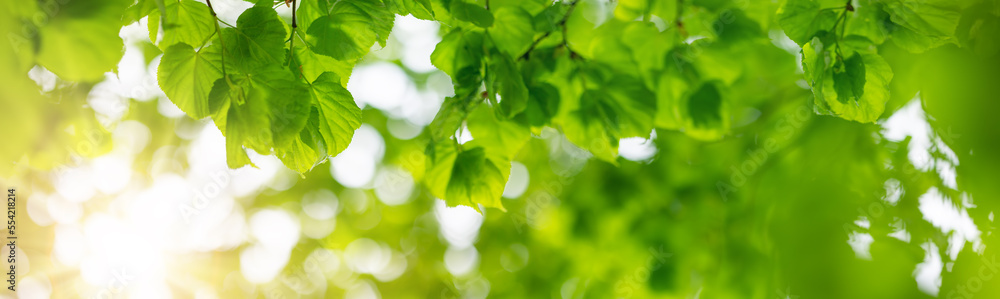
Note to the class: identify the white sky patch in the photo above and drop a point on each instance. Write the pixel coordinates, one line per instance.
(418, 38)
(638, 148)
(229, 11)
(911, 121)
(394, 185)
(861, 243)
(362, 289)
(355, 166)
(45, 79)
(320, 204)
(780, 40)
(899, 231)
(402, 129)
(381, 85)
(517, 183)
(461, 261)
(943, 215)
(260, 265)
(367, 256)
(459, 225)
(463, 135)
(928, 272)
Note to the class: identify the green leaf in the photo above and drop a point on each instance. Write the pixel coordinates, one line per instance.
(512, 32)
(628, 10)
(635, 105)
(699, 111)
(803, 19)
(339, 115)
(850, 81)
(246, 120)
(149, 51)
(605, 44)
(933, 18)
(503, 138)
(548, 19)
(592, 126)
(420, 9)
(350, 29)
(309, 11)
(270, 107)
(533, 7)
(186, 77)
(257, 41)
(297, 156)
(621, 107)
(459, 50)
(441, 158)
(309, 65)
(306, 150)
(186, 21)
(472, 13)
(81, 42)
(704, 106)
(856, 89)
(918, 26)
(670, 91)
(289, 100)
(506, 81)
(648, 45)
(449, 118)
(870, 21)
(138, 10)
(542, 105)
(470, 177)
(339, 37)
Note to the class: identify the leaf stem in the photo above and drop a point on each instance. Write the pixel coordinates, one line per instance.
(221, 42)
(842, 23)
(562, 23)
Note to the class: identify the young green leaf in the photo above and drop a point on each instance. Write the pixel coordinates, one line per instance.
(460, 54)
(849, 80)
(934, 18)
(506, 81)
(472, 13)
(246, 120)
(186, 21)
(309, 65)
(350, 29)
(339, 116)
(420, 9)
(469, 177)
(803, 19)
(593, 126)
(503, 138)
(265, 110)
(306, 150)
(258, 40)
(186, 77)
(512, 32)
(81, 42)
(855, 89)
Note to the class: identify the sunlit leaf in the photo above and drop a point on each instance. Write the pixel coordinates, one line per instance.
(186, 77)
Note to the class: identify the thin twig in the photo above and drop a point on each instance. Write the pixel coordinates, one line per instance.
(221, 42)
(562, 23)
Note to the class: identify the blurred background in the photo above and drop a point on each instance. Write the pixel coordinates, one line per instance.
(127, 197)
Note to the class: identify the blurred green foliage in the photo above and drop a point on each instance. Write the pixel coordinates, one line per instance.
(763, 173)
